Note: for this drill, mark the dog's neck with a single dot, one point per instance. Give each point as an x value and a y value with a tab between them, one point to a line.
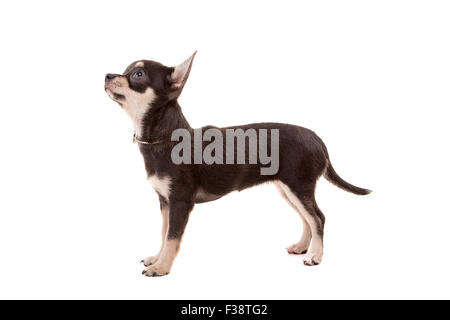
160	121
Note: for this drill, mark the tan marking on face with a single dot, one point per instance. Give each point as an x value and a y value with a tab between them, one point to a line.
139	64
136	104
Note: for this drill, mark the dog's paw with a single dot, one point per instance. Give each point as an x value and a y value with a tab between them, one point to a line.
156	270
311	259
297	248
150	260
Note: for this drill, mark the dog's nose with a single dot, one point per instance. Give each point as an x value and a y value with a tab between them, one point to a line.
110	76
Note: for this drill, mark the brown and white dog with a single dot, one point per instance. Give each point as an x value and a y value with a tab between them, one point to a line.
148	92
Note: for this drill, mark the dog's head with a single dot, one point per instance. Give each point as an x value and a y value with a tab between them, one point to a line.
145	83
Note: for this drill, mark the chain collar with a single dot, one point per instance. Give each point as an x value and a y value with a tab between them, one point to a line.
136	140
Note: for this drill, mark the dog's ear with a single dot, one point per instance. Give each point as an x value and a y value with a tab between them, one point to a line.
179	76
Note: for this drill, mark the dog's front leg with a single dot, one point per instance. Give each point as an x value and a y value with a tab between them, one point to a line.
178	216
165	223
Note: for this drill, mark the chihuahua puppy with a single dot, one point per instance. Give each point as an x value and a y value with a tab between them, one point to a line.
148	92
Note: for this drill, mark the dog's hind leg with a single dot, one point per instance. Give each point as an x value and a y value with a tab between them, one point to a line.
165	223
302	196
302	246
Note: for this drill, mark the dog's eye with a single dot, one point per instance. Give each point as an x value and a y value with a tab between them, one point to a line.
138	75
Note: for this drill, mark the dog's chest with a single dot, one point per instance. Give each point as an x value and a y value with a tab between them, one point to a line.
161	185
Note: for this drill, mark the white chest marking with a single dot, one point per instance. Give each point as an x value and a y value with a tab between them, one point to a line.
137	105
161	185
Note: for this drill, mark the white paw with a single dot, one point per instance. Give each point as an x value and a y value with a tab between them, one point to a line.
156	270
297	248
150	260
311	259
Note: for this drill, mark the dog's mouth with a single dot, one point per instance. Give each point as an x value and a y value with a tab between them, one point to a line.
117	97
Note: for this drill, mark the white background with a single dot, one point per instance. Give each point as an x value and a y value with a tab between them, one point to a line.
370	77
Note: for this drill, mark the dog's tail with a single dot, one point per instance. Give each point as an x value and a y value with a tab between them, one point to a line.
334	178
